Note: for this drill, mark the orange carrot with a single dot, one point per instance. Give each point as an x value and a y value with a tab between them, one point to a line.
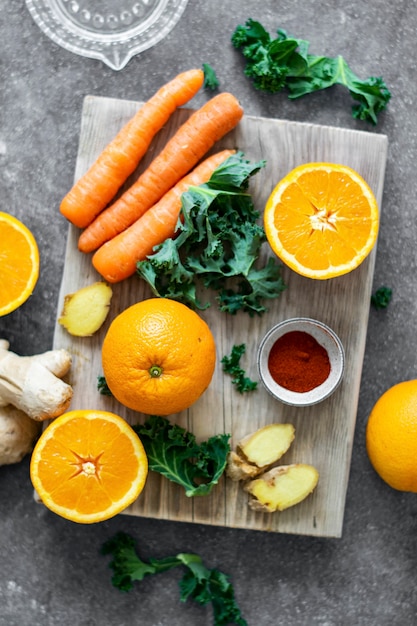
181	153
116	259
93	191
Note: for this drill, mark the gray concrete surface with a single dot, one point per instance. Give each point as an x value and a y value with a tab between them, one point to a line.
51	572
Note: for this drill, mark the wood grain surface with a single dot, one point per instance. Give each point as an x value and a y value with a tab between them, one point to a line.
324	432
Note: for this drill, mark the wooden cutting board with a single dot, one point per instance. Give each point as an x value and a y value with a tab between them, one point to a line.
324	432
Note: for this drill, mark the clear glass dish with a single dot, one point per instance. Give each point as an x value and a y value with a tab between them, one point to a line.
112	31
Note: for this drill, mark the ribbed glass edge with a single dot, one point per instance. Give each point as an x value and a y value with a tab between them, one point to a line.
114	51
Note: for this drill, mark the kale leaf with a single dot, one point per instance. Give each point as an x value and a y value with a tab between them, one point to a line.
231	365
284	62
217	244
210	77
102	386
198	583
381	298
173	452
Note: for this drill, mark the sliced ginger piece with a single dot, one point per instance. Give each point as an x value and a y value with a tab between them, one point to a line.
282	487
259	450
268	444
239	469
85	310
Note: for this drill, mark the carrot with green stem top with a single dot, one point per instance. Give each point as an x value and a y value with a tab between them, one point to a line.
116	259
119	159
181	153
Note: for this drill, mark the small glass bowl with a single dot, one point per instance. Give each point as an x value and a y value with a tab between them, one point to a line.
112	31
326	338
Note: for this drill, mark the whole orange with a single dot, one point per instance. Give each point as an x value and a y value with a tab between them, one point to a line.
391	436
158	357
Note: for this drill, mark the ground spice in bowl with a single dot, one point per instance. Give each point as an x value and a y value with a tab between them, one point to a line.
298	362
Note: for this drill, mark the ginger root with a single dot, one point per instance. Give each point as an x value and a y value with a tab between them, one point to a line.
33	384
18	433
281	487
270	488
258	451
85	310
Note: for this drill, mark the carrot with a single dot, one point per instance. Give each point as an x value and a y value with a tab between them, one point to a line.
116	259
93	191
181	153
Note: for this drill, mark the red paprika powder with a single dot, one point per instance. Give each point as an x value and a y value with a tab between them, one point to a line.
298	362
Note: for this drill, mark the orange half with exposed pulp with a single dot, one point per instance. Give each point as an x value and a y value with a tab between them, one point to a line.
19	263
88	465
322	220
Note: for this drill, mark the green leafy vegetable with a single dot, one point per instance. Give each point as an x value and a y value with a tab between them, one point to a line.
210	78
103	387
173	452
198	583
284	62
231	365
381	298
218	243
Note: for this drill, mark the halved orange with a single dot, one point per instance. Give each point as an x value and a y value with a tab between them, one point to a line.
322	220
88	465
19	263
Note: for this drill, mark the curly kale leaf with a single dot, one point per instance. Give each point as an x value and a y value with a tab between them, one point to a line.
126	565
269	61
173	452
210	77
213	586
198	583
231	365
102	386
381	298
217	245
284	62
250	293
